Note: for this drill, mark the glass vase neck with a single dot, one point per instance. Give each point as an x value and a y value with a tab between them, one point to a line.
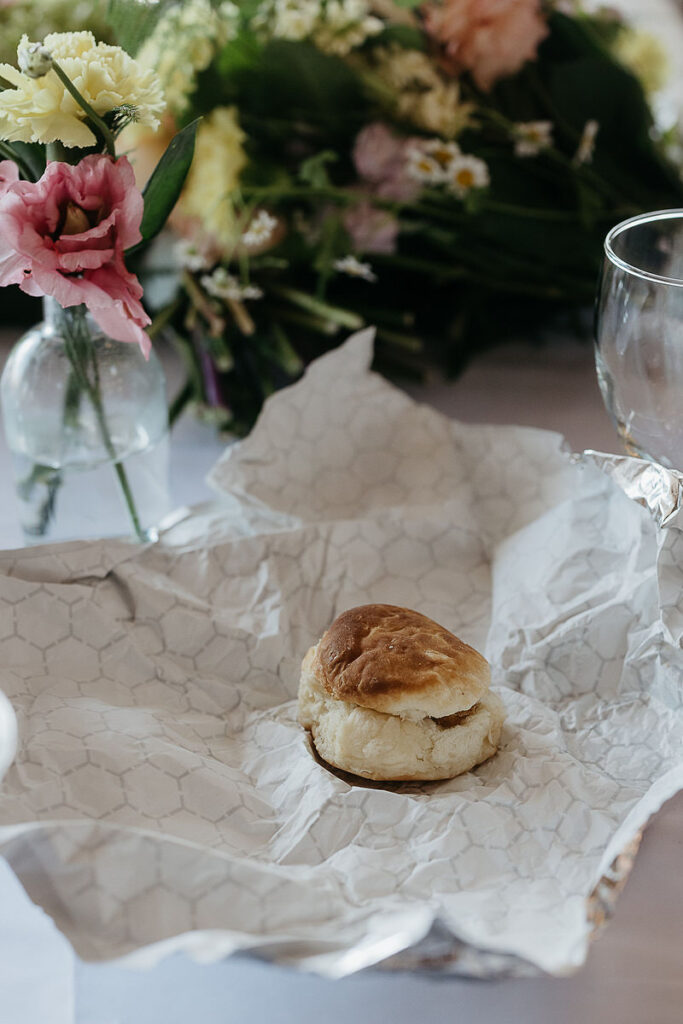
58	318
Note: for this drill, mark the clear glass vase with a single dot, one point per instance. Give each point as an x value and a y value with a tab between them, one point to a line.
86	422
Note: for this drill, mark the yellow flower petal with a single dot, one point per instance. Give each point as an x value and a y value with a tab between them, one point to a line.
42	110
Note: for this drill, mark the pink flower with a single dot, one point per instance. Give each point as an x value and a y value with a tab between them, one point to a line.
371	230
381	159
65	236
489	38
9	173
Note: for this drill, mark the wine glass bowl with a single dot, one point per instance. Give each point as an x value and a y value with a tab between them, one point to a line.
639	334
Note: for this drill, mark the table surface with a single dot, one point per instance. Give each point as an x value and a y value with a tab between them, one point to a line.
634	970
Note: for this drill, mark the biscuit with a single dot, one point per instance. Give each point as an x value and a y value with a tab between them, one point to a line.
388	694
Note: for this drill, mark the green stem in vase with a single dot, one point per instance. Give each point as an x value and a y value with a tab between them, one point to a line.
80	351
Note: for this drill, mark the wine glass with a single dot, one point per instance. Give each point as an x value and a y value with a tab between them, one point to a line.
639	334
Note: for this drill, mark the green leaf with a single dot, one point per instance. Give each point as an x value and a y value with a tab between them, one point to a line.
163	188
407	36
314	171
32	154
133	21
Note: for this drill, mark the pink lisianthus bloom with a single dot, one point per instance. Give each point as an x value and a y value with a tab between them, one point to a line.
489	38
9	174
66	235
381	160
371	230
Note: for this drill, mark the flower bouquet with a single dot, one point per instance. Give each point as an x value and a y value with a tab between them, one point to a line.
71	216
443	170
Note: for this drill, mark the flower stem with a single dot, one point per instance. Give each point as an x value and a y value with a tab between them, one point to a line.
75	349
101	125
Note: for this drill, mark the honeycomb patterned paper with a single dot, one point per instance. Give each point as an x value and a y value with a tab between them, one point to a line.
163	796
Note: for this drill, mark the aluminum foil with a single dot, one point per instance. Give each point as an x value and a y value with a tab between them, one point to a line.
164	796
656	488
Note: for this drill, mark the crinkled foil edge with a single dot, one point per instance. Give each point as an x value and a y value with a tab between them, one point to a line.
440	953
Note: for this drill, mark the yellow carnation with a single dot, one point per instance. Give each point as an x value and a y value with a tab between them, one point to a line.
41	109
184	41
422	96
218	160
644	55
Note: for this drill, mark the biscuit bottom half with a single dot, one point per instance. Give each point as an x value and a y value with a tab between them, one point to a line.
388	748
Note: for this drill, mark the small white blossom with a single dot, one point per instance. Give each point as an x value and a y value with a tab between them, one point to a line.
335	27
288	19
424	168
443	152
189	255
223	285
346	25
251	291
467	173
34	59
532	136
354	268
586	147
260	229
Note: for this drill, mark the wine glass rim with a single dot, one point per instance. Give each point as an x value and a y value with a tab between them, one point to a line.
625	225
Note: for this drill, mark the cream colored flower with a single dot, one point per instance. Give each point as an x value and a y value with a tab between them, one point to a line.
218	160
41	109
467	173
34	59
422	95
334	26
346	25
532	136
287	19
644	55
184	41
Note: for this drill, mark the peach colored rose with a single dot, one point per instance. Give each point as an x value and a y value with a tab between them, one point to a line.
489	38
65	236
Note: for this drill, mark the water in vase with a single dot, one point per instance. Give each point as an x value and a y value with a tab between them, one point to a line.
83	498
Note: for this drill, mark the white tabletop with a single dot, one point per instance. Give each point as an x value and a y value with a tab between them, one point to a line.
633	974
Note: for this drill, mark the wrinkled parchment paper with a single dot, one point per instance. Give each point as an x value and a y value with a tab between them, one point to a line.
164	797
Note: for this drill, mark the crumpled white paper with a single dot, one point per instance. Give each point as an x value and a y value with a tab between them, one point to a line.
165	798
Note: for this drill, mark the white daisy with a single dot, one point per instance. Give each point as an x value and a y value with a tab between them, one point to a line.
467	173
423	167
444	153
354	268
532	136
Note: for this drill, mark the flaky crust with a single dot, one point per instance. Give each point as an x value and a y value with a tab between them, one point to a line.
387	748
399	662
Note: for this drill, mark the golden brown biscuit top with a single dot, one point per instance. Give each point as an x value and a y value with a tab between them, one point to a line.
398	661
